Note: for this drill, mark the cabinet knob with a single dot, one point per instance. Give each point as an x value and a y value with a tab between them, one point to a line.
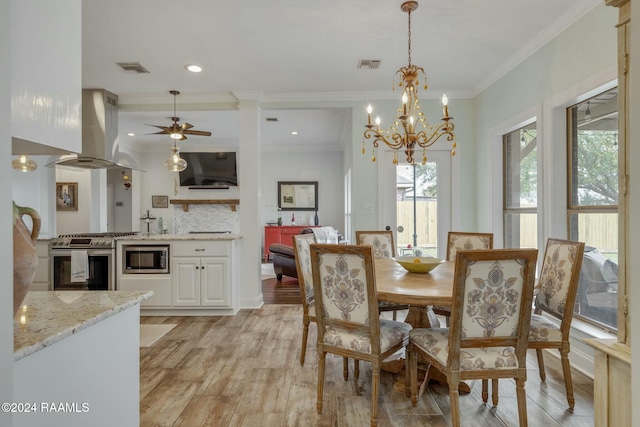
197	267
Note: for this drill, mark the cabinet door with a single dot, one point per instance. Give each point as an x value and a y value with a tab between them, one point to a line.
214	275
186	281
271	236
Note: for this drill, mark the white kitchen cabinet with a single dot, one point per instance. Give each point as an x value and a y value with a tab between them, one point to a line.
201	281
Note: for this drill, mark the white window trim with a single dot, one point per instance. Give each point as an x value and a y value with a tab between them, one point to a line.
551	130
496	134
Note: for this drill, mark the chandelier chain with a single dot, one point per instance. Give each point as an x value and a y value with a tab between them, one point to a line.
409	38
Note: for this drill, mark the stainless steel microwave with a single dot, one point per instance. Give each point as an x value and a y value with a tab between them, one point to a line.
145	259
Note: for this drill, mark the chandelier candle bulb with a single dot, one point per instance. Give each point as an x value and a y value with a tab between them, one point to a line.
445	106
369	111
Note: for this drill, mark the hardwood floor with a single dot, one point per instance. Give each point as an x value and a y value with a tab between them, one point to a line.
243	370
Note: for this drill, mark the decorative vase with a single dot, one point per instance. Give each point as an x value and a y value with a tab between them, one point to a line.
279	221
25	257
315	219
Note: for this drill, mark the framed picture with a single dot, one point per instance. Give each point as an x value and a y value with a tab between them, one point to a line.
159	201
66	196
298	195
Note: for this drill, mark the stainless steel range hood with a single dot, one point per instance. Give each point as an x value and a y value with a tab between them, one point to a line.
100	149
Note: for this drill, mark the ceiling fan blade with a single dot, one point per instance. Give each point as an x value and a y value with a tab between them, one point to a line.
163	132
165	128
197	132
187	126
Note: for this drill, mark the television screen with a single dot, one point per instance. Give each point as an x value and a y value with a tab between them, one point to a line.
209	169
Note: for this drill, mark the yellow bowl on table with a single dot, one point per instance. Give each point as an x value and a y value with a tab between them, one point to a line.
417	264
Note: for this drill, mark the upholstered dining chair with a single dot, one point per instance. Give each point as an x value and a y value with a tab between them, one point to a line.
558	287
347	313
490	314
383	247
463	241
302	256
558	283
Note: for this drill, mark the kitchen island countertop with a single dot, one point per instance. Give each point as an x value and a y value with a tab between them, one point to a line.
48	317
195	236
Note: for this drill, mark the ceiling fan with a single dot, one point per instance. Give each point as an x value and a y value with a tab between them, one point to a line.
175	130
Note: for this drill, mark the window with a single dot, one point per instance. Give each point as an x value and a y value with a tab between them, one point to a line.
520	188
593	204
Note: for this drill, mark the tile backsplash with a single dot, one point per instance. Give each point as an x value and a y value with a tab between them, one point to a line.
202	218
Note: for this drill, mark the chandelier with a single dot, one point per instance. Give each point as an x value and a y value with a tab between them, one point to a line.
416	132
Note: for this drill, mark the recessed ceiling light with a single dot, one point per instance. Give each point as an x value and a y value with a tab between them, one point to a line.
294	133
193	68
131	134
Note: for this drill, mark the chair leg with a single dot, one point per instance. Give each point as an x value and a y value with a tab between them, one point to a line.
345	368
522	402
543	375
413	374
407	376
454	397
375	382
394	314
305	335
566	370
321	357
485	390
356	368
494	391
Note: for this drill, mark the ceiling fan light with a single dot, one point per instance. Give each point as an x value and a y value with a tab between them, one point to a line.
24	164
193	68
175	136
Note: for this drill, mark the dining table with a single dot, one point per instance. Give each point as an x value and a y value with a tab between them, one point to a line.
421	291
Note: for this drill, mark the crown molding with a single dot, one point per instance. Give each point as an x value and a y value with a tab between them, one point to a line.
558	26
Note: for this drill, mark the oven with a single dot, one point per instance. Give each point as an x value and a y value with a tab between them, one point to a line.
145	259
83	262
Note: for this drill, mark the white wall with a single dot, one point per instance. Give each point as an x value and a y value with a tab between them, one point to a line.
324	167
586	49
37	190
6	220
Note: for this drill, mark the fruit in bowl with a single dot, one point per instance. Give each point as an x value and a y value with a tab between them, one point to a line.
416	264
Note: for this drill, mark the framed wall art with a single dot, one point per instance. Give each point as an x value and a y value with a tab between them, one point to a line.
159	201
298	195
66	196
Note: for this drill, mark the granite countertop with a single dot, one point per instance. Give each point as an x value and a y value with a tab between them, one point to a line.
50	317
196	236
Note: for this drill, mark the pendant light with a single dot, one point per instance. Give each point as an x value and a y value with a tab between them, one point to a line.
175	163
24	164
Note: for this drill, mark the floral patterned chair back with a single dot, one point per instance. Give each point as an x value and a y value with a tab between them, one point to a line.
492	298
559	278
303	265
347	313
381	241
460	241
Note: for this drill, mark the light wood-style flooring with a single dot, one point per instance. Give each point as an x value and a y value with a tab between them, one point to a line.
244	371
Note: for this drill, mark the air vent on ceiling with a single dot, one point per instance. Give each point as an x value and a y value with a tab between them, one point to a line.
133	67
369	64
272	119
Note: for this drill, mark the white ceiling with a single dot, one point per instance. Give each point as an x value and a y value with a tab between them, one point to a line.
297	49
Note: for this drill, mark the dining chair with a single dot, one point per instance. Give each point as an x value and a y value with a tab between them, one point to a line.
458	241
490	313
383	247
558	283
347	313
302	257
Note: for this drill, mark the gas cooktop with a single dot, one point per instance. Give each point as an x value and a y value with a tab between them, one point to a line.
88	240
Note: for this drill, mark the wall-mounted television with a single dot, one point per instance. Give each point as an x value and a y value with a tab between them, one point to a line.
215	170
